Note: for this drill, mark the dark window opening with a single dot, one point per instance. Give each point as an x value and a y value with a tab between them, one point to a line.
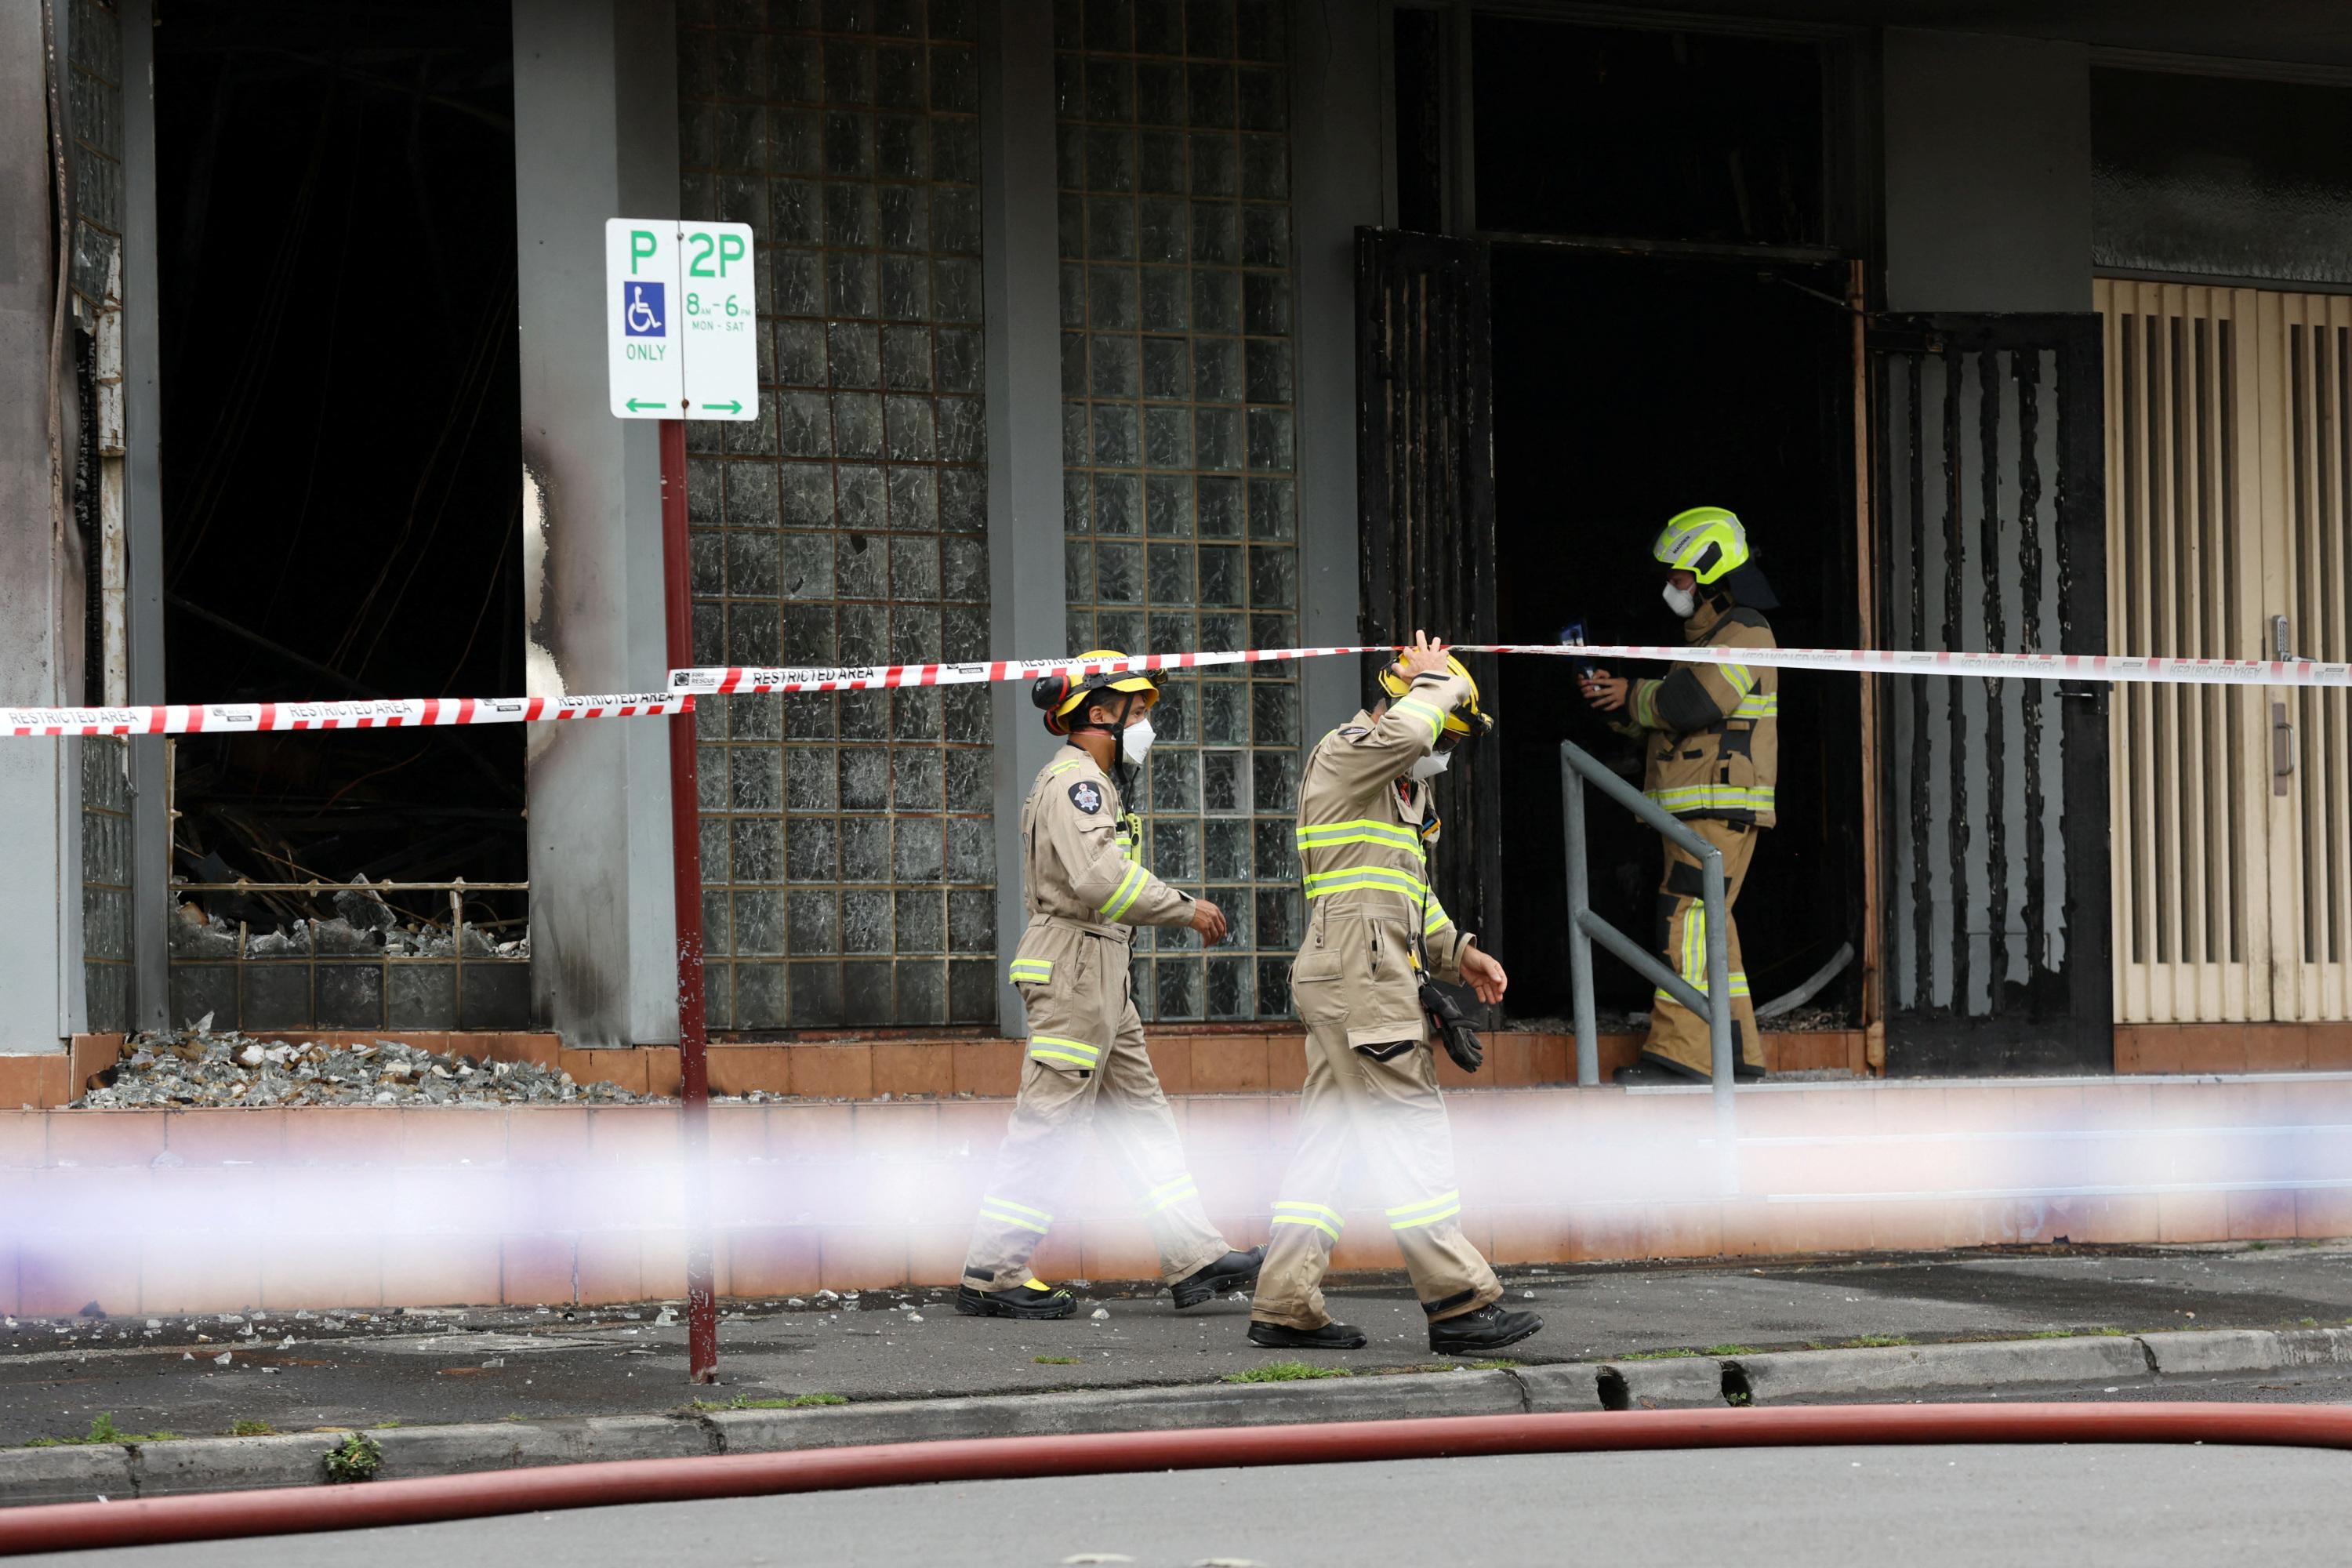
1637	134
2221	177
341	468
1625	390
1420	55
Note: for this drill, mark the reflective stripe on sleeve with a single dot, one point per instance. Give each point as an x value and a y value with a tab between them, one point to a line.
1054	1048
1123	897
1758	705
1420	710
1742	679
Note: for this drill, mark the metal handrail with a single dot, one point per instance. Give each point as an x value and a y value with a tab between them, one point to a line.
1577	766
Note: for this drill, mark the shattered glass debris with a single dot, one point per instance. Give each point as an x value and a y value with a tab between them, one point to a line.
363	928
199	1066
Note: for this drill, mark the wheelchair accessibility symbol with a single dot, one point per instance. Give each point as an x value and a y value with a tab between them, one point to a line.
641	310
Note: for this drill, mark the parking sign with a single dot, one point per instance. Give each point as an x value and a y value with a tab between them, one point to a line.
681	322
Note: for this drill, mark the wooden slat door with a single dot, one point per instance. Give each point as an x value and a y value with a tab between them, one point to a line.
2230	458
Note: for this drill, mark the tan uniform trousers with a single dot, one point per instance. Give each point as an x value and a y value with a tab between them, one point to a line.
1676	1032
1388	1115
1121	1099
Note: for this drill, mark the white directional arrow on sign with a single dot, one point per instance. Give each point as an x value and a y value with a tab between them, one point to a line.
681	321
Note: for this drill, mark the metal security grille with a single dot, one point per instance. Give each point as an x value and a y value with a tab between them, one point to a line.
847	846
1425	483
1989	481
1179	447
2227	525
106	944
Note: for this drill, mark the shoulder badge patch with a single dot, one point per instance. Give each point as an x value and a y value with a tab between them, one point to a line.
1353	733
1086	795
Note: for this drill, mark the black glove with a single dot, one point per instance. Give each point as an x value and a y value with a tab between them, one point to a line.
1460	1039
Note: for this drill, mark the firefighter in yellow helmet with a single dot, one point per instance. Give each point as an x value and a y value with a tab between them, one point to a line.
1710	736
1086	887
1375	933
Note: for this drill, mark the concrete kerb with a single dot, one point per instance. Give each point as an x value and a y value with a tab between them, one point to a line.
1797	1375
79	1472
1385	1398
2209	1350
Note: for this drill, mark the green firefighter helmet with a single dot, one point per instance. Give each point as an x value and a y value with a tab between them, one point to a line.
1705	541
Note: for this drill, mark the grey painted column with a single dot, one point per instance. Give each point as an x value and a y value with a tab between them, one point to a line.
1028	603
142	502
40	786
595	138
1337	183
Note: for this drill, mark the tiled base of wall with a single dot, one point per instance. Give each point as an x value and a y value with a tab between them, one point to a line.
2233	1048
1190	1061
197	1211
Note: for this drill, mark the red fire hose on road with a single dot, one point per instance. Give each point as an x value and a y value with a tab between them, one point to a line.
81	1526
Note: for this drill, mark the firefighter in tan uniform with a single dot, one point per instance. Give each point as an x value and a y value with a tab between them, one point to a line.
1374	933
1085	886
1710	735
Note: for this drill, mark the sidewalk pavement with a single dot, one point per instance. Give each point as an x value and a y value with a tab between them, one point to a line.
466	1389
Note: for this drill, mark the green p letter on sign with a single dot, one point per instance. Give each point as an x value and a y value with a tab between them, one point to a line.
681	320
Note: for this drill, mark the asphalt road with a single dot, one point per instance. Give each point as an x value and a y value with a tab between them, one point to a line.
358	1369
2071	1507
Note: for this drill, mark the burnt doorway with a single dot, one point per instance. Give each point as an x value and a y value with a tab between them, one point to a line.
1628	387
1992	501
339	466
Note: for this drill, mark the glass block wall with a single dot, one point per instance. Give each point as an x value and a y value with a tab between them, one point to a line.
1179	505
847	841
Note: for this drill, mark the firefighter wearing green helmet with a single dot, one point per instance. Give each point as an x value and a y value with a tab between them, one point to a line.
1085	885
1710	737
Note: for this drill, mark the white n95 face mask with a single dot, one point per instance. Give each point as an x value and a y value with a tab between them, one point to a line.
1429	766
1681	601
1135	740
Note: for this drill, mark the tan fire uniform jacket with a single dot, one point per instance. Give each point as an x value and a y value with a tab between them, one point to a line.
1365	867
1370	1094
1083	884
1082	876
1711	732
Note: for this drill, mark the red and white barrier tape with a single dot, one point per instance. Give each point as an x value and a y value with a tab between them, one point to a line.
737	679
258	718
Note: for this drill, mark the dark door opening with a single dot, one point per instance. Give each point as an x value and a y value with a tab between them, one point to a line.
1627	388
340	467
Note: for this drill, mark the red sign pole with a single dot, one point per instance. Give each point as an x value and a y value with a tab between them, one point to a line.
685	858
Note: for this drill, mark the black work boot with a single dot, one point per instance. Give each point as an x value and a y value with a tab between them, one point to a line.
1490	1328
1650	1068
1234	1271
1329	1337
1034	1300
